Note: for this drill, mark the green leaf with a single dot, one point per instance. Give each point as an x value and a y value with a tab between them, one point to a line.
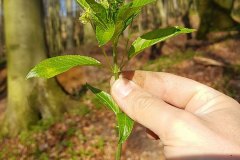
53	66
98	11
125	126
105	27
153	37
95	6
125	14
104	34
105	99
83	4
141	3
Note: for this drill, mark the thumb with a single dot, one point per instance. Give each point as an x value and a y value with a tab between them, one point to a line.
143	107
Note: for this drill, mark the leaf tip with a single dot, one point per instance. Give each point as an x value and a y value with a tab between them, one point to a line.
87	85
185	30
31	74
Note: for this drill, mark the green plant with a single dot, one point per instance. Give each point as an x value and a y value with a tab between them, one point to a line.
109	18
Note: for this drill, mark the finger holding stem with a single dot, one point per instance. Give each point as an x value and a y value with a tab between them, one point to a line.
116	72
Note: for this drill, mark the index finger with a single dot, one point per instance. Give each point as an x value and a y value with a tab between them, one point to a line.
178	91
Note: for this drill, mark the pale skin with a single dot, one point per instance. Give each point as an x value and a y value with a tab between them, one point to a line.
191	119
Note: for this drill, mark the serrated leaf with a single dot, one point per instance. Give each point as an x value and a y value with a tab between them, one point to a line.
83	4
99	13
53	66
125	126
105	98
105	27
104	34
140	3
125	14
154	37
96	7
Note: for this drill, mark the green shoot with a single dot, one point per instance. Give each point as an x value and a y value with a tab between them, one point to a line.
109	19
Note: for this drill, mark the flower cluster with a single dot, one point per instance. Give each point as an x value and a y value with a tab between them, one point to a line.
86	16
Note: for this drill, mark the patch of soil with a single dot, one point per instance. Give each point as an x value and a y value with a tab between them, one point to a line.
201	73
92	137
226	51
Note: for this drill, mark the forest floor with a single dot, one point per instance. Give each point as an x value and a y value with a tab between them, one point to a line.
89	133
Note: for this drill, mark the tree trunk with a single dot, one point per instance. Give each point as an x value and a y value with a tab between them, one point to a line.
159	20
236	11
53	28
186	19
166	11
1	32
28	100
156	51
140	27
215	16
69	25
162	12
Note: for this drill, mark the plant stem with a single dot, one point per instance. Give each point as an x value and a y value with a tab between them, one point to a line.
127	43
115	54
116	72
119	151
116	68
116	75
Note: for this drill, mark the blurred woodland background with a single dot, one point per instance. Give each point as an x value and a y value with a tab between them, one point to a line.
59	118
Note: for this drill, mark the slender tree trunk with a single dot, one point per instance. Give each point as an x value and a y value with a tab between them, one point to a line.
166	11
162	12
159	20
186	19
236	11
2	58
69	25
53	28
186	22
28	100
79	28
140	27
1	31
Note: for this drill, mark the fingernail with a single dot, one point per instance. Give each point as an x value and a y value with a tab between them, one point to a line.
112	80
122	88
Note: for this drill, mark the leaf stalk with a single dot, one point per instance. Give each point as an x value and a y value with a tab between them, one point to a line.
119	151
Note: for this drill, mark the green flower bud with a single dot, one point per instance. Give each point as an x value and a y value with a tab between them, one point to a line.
104	3
86	16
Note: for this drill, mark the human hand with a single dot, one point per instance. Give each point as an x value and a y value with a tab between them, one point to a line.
191	119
